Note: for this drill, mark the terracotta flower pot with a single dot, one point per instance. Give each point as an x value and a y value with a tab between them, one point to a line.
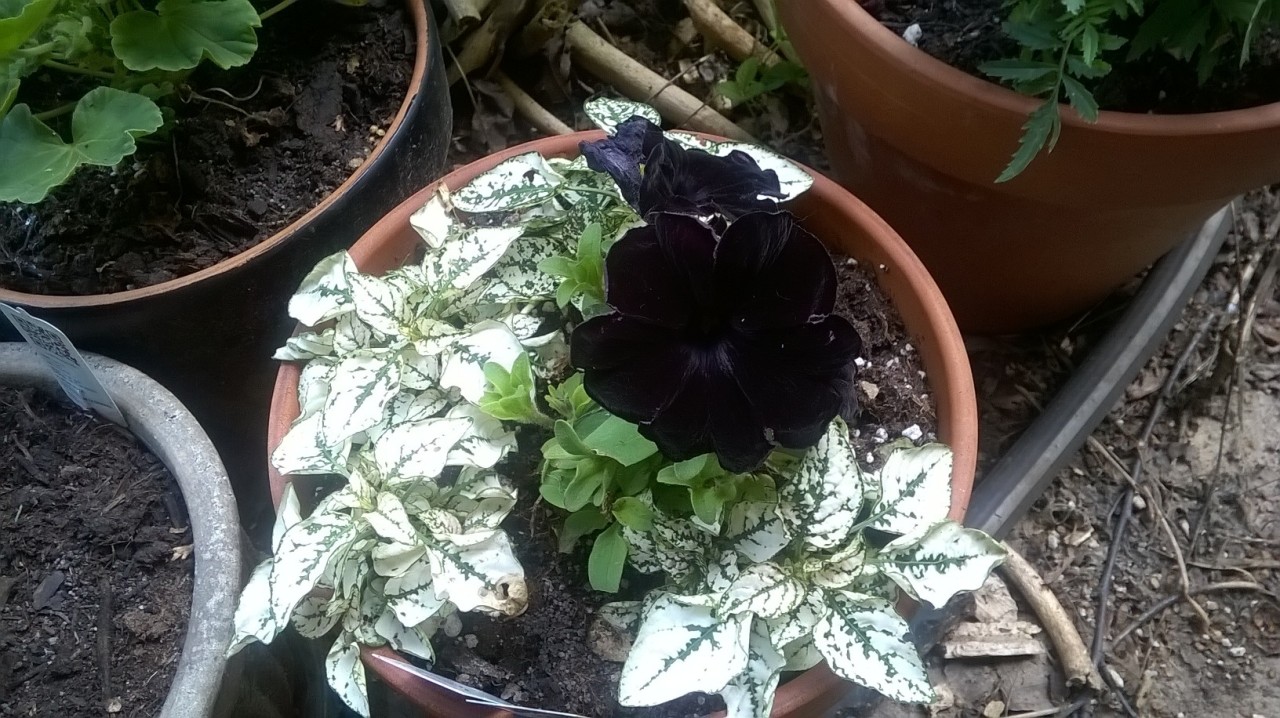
208	336
922	143
829	212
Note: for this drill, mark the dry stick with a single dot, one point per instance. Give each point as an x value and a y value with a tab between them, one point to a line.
535	113
1171	599
1076	664
1262	291
716	25
550	18
1158	509
486	43
639	82
466	13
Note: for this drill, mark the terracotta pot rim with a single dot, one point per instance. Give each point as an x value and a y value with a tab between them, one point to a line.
991	96
418	13
960	419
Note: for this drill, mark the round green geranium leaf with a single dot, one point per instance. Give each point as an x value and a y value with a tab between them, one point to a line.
103	128
180	33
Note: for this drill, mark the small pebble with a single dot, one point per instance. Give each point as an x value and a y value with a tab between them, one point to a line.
470	640
912	35
1237	652
913	432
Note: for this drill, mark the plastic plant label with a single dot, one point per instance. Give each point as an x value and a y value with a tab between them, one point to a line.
68	366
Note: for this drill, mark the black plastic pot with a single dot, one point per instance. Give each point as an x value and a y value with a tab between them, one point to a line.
208	337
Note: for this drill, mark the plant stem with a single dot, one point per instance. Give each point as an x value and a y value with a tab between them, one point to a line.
591	190
35	49
78	70
275	9
55	112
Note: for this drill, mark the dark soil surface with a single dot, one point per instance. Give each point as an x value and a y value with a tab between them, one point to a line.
95	580
966	34
251	150
542	659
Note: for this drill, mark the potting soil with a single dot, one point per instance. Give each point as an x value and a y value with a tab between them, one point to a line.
95	565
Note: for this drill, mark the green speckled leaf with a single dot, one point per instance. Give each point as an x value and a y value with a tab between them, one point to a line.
363	386
915	489
821	501
522	181
750	693
865	641
325	292
607	113
943	560
682	648
763	589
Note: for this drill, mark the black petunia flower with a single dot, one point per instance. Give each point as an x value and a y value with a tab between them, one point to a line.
657	174
724	346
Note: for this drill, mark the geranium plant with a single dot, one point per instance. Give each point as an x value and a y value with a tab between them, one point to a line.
655	312
1067	46
125	56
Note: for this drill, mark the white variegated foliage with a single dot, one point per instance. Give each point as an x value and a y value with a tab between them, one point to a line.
388	399
798	582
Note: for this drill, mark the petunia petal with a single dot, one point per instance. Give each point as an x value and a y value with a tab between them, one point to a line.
797	379
647	271
686	181
621	155
690	248
773	273
630	367
710	414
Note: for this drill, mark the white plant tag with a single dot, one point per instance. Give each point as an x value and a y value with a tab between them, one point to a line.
68	366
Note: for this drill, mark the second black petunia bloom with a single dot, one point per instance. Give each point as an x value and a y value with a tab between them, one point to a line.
657	174
720	345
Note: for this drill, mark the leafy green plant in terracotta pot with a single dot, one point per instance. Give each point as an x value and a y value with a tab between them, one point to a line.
650	327
134	157
924	142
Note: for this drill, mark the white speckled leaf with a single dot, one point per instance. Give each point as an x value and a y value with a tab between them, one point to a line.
379	303
305	552
800	622
801	655
466	257
865	641
463	369
434	221
607	113
722	573
750	693
362	388
289	513
418	372
484	576
411	596
311	620
416	406
622	615
841	568
792	180
345	672
351	334
943	560
417	449
254	619
755	530
522	181
762	589
821	501
404	638
303	450
485	441
395	559
390	521
680	649
480	499
305	346
915	489
515	277
325	292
